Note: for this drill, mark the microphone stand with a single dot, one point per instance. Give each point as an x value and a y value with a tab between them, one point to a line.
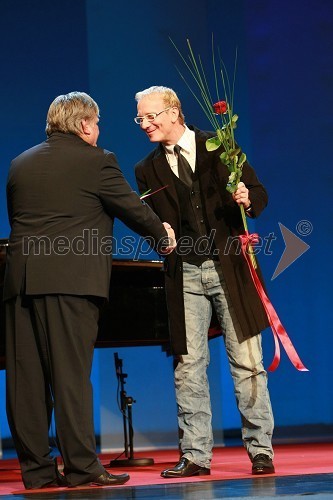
126	403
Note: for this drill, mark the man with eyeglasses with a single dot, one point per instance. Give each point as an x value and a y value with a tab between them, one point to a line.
206	274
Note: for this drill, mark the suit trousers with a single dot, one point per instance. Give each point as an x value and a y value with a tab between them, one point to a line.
49	352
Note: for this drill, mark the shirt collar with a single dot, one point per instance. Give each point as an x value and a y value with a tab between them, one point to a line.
187	139
185	142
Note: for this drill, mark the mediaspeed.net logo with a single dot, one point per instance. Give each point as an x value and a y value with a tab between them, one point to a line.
89	242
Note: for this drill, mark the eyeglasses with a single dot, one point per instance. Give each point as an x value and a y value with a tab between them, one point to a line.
150	117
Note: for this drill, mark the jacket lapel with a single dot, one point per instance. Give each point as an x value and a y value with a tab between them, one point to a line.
164	175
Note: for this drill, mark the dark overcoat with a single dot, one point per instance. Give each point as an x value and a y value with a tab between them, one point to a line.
224	218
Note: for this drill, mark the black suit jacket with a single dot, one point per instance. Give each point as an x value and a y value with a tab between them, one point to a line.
62	196
224	217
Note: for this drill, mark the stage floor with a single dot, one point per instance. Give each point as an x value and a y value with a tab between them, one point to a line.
301	469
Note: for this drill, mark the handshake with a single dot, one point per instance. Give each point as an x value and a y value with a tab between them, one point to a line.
171	242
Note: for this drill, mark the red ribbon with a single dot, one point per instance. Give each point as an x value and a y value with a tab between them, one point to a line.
279	332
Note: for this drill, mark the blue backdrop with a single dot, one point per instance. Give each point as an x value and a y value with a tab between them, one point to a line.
284	100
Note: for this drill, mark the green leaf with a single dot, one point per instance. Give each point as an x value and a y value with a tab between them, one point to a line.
220	134
224	157
213	143
234	152
234	118
242	159
226	133
231	188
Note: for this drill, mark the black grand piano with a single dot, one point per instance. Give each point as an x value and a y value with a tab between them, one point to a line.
136	314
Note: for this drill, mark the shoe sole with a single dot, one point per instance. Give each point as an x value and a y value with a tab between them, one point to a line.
198	473
257	472
116	483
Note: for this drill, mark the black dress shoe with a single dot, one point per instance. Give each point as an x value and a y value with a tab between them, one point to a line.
107	479
185	468
59	482
262	464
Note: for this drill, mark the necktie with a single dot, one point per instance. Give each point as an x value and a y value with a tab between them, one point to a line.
184	170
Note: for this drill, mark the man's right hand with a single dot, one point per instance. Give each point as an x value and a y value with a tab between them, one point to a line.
172	239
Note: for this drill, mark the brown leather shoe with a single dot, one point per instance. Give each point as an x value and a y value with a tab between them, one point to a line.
185	468
107	479
262	464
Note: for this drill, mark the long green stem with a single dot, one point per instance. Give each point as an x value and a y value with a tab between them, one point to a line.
250	249
244	218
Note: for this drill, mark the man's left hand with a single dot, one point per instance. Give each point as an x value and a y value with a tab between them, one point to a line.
241	195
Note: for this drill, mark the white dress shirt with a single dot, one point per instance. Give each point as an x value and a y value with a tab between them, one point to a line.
187	143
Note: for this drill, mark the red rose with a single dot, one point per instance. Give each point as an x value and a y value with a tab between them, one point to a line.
220	107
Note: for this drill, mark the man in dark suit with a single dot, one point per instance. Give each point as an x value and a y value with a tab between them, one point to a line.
207	271
63	196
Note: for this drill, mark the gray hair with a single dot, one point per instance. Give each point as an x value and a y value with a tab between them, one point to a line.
169	96
67	112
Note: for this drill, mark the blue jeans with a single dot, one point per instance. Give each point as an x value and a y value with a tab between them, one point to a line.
204	288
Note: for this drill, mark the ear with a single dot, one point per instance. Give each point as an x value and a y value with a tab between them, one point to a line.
174	114
86	128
